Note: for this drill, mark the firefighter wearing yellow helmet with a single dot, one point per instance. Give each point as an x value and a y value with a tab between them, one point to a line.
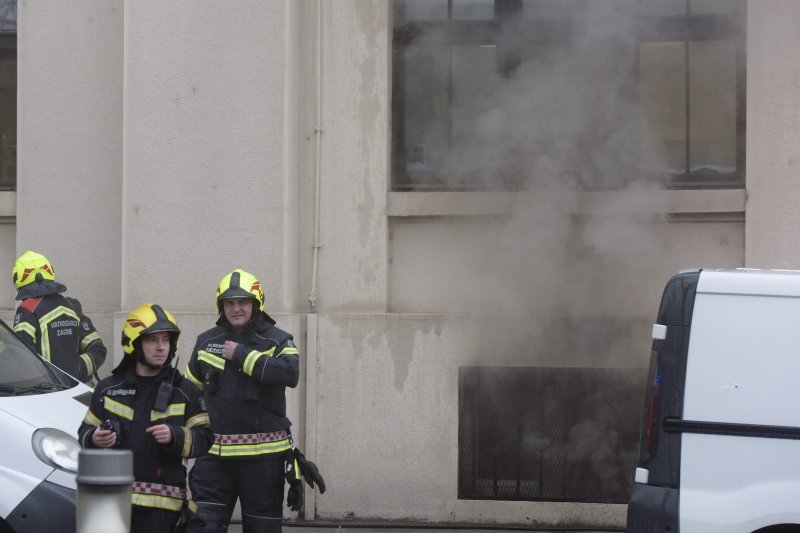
54	325
146	406
243	365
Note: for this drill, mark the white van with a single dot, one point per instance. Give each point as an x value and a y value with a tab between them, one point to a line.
720	441
41	408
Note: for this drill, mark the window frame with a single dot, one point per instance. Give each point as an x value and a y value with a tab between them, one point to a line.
685	28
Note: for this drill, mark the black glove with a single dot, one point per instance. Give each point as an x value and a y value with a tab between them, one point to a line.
309	471
294	498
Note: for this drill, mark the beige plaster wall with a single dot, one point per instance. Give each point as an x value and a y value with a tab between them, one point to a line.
773	141
593	266
205	174
69	152
355	158
387	422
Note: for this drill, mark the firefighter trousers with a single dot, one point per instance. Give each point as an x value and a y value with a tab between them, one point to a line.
148	520
257	483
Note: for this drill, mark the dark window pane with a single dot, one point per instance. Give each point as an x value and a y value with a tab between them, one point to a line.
544	9
662	8
447	93
414	10
8	15
8	123
700	7
473	9
8	112
663	100
426	106
712	94
550	9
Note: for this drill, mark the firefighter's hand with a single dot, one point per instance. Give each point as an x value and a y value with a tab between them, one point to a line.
228	349
103	438
161	433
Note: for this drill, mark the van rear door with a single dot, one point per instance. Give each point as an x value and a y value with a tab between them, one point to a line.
740	453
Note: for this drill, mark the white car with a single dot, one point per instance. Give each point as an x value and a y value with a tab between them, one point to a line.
720	441
41	408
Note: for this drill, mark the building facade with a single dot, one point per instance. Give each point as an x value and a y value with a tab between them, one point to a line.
465	211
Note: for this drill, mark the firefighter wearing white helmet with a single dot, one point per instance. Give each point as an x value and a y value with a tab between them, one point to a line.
54	325
146	406
243	365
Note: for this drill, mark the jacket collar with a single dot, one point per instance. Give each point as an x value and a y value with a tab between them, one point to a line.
38	289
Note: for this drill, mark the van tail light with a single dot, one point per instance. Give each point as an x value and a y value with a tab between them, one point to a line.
650	429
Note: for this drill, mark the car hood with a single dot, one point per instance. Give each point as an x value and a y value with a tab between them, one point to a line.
59	409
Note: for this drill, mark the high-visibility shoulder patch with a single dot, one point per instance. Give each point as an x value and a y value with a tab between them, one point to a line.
31	303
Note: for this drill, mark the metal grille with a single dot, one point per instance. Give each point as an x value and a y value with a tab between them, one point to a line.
548	434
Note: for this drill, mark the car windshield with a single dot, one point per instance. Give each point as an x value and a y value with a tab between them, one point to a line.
24	372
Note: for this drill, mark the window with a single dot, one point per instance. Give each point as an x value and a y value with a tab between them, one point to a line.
8	94
548	434
596	94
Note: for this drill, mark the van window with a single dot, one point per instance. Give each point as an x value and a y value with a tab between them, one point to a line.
24	372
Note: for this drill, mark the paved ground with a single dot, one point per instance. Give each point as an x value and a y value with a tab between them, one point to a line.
329	527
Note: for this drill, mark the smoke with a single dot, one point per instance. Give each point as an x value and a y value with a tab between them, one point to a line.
562	278
565	118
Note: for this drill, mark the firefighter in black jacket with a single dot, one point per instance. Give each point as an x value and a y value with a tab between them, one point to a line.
146	406
53	325
244	366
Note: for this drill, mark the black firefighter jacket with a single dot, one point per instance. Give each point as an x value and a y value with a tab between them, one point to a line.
129	401
55	327
245	396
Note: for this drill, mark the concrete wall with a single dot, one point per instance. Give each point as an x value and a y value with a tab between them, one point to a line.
204	173
773	151
355	157
69	152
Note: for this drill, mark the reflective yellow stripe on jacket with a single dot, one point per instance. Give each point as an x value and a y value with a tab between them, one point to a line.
249	450
173	409
45	321
213	360
89	363
197	420
188	374
252	357
27	328
289	350
248	445
89	339
118	409
188	438
156	501
91	419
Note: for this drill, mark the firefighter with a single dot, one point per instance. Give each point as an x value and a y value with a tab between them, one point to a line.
53	325
146	406
243	365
